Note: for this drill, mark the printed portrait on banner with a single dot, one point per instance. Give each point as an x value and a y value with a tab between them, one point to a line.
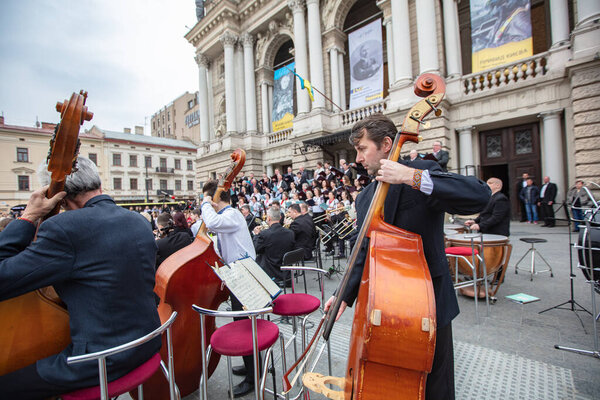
283	98
366	65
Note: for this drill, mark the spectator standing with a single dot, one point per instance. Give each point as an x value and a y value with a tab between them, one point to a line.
442	156
530	195
520	185
547	198
577	199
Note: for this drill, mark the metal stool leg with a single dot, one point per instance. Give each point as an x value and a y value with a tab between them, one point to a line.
549	267
230	378
532	262
521	259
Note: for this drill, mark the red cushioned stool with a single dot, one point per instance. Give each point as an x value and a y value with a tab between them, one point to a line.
134	378
469	255
239	338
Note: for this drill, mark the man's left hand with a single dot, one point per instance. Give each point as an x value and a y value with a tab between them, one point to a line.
38	205
395	173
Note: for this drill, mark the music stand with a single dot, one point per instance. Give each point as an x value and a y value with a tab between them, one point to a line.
588	218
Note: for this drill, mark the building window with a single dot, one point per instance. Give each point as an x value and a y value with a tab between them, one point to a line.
177	184
133	183
93	158
163	184
163	163
149	184
117	183
169	130
190	185
148	161
177	163
22	155
190	104
190	165
23	182
168	116
133	160
117	159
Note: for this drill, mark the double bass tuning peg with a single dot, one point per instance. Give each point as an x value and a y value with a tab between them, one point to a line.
436	110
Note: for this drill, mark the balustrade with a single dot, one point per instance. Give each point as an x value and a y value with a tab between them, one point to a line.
350	117
279	136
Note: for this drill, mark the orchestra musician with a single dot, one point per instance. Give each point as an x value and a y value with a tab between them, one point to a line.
417	199
171	238
233	243
303	227
271	244
100	259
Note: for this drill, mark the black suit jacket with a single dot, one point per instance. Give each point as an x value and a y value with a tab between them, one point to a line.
270	245
305	234
100	260
495	217
443	157
423	214
174	241
549	194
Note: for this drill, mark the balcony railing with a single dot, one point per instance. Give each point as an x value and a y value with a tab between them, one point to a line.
526	69
165	170
279	136
350	117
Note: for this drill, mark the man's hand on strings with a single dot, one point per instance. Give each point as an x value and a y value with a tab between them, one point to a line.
343	306
39	206
394	173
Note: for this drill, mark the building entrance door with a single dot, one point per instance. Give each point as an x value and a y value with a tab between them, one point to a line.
506	154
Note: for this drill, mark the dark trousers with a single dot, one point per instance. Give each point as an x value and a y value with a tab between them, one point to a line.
26	384
248	363
523	211
547	214
440	382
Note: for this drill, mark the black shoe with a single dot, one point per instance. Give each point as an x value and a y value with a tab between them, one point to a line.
242	389
239	371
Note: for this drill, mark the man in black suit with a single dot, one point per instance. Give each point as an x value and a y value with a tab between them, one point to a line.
547	198
519	186
171	240
271	244
442	156
100	259
305	233
495	217
416	201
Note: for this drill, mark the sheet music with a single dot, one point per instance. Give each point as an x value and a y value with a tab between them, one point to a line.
261	276
244	286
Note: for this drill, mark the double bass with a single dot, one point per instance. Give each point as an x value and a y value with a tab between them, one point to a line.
35	325
183	279
394	328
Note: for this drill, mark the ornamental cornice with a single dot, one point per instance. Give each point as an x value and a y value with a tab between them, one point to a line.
228	39
297	5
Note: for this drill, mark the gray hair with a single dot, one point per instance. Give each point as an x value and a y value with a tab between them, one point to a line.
84	177
274	214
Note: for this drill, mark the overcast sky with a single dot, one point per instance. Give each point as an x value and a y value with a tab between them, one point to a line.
130	56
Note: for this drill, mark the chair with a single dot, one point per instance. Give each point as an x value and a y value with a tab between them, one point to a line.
238	338
533	251
134	378
300	305
461	253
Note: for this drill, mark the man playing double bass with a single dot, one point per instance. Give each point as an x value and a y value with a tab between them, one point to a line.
100	259
418	197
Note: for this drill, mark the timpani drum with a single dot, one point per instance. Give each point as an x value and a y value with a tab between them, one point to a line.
496	253
453	229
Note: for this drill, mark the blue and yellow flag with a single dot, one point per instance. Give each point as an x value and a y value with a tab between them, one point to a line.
305	84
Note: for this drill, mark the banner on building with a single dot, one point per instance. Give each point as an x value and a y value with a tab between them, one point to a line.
366	65
500	32
283	98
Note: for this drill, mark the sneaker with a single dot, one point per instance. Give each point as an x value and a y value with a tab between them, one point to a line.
535	222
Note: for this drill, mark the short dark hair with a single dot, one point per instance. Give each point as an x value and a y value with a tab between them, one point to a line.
377	127
295	207
210	188
164	219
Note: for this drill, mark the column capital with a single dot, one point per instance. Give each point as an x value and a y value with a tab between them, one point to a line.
297	5
335	48
228	39
247	39
309	2
202	60
550	114
465	129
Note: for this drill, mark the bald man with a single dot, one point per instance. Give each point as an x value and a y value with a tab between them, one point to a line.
495	217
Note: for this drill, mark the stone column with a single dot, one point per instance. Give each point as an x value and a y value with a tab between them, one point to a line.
559	22
452	39
427	35
203	63
335	79
401	34
552	151
315	48
342	80
228	40
264	95
240	87
389	35
586	35
269	170
465	146
587	10
300	56
270	94
211	102
250	82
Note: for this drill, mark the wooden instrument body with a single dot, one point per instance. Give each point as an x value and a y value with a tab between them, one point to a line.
393	332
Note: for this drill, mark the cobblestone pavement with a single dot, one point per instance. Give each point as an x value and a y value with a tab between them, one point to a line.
509	354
